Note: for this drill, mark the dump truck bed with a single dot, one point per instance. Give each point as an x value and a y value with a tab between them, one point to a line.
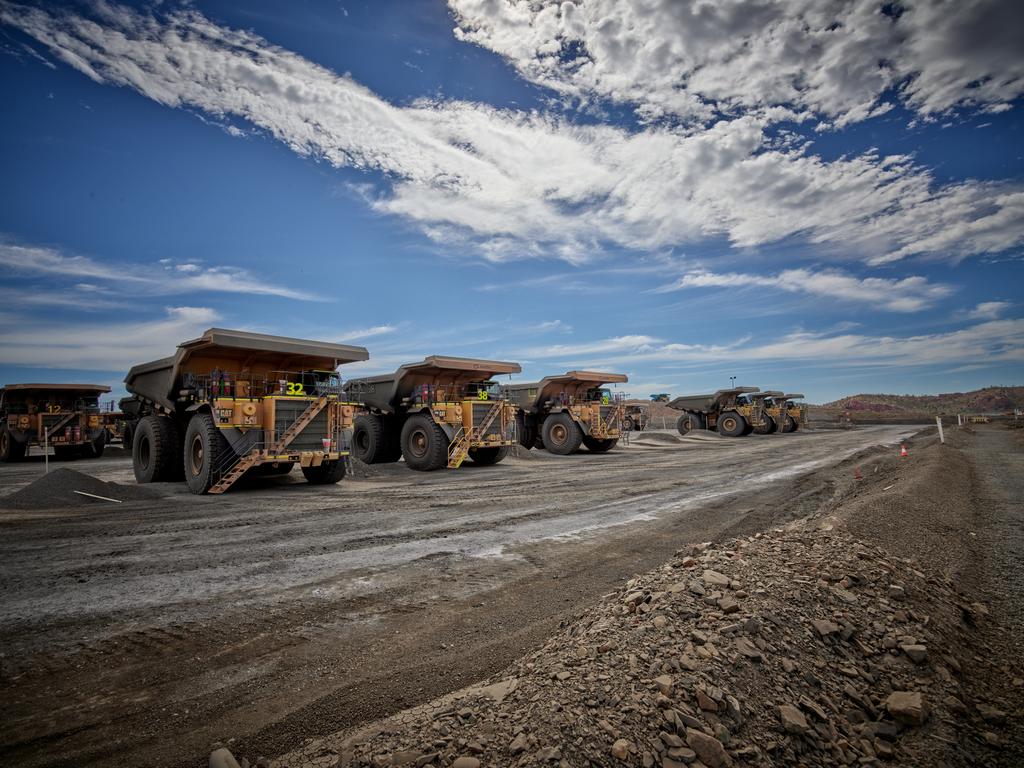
233	350
707	402
386	392
773	393
532	396
790	398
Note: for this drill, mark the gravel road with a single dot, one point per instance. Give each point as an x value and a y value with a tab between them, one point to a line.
143	632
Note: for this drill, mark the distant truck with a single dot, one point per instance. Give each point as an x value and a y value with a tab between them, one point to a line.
636	419
231	402
560	413
771	409
435	413
727	411
795	414
65	417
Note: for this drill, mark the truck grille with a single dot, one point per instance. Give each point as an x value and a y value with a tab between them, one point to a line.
480	411
286	412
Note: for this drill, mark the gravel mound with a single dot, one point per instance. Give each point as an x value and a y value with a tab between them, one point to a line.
57	489
807	645
655	438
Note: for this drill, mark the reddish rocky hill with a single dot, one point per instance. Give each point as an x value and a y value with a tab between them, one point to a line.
987	400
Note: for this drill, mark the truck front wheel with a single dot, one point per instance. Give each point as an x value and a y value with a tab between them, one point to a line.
424	443
561	434
156	450
10	449
599	446
767	427
788	424
484	457
731	424
328	473
94	449
368	438
206	453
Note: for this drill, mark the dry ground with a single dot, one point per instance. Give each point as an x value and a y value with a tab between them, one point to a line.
142	633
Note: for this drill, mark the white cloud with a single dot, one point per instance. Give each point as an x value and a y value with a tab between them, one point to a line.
693	59
995	341
173	279
102	346
366	333
989	310
506	184
909	294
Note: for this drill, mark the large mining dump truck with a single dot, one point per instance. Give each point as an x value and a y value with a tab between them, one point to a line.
795	413
560	413
65	417
231	402
727	411
771	411
435	414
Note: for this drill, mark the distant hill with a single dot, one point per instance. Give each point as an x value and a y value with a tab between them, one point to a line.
987	400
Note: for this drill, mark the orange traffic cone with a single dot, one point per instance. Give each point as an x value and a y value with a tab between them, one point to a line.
856	474
903	452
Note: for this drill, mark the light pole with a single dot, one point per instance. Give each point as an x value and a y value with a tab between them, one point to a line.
732	381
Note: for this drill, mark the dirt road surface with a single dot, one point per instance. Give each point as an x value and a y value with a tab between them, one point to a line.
142	633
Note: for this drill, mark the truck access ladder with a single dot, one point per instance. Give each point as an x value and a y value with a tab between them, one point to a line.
459	449
251	459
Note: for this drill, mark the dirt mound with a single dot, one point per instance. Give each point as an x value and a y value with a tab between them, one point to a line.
57	489
655	438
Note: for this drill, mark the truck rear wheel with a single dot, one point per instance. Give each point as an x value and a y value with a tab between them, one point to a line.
627	424
94	449
767	427
10	449
369	438
156	450
561	434
689	422
788	425
328	473
206	452
731	424
424	443
484	457
599	446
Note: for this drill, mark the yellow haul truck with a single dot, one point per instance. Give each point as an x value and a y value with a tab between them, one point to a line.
560	413
795	413
65	417
771	411
728	411
435	413
231	402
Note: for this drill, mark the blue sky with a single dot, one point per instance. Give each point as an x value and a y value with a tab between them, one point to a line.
827	200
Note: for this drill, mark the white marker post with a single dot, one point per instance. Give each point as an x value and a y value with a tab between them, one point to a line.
46	451
938	423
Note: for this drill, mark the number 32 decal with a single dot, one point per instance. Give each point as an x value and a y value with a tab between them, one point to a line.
295	388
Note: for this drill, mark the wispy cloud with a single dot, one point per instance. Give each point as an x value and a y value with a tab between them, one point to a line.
169	278
358	334
989	310
507	184
909	294
102	346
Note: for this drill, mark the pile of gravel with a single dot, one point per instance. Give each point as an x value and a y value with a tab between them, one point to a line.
57	489
655	438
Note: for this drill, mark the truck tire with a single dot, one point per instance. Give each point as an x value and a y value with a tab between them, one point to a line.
10	449
599	446
688	422
788	425
767	426
627	424
328	473
156	450
369	438
732	424
562	435
206	453
94	449
484	457
424	444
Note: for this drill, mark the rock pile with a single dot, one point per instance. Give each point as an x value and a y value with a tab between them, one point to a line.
796	647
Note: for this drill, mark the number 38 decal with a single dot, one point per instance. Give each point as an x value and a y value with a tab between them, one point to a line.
295	388
482	395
